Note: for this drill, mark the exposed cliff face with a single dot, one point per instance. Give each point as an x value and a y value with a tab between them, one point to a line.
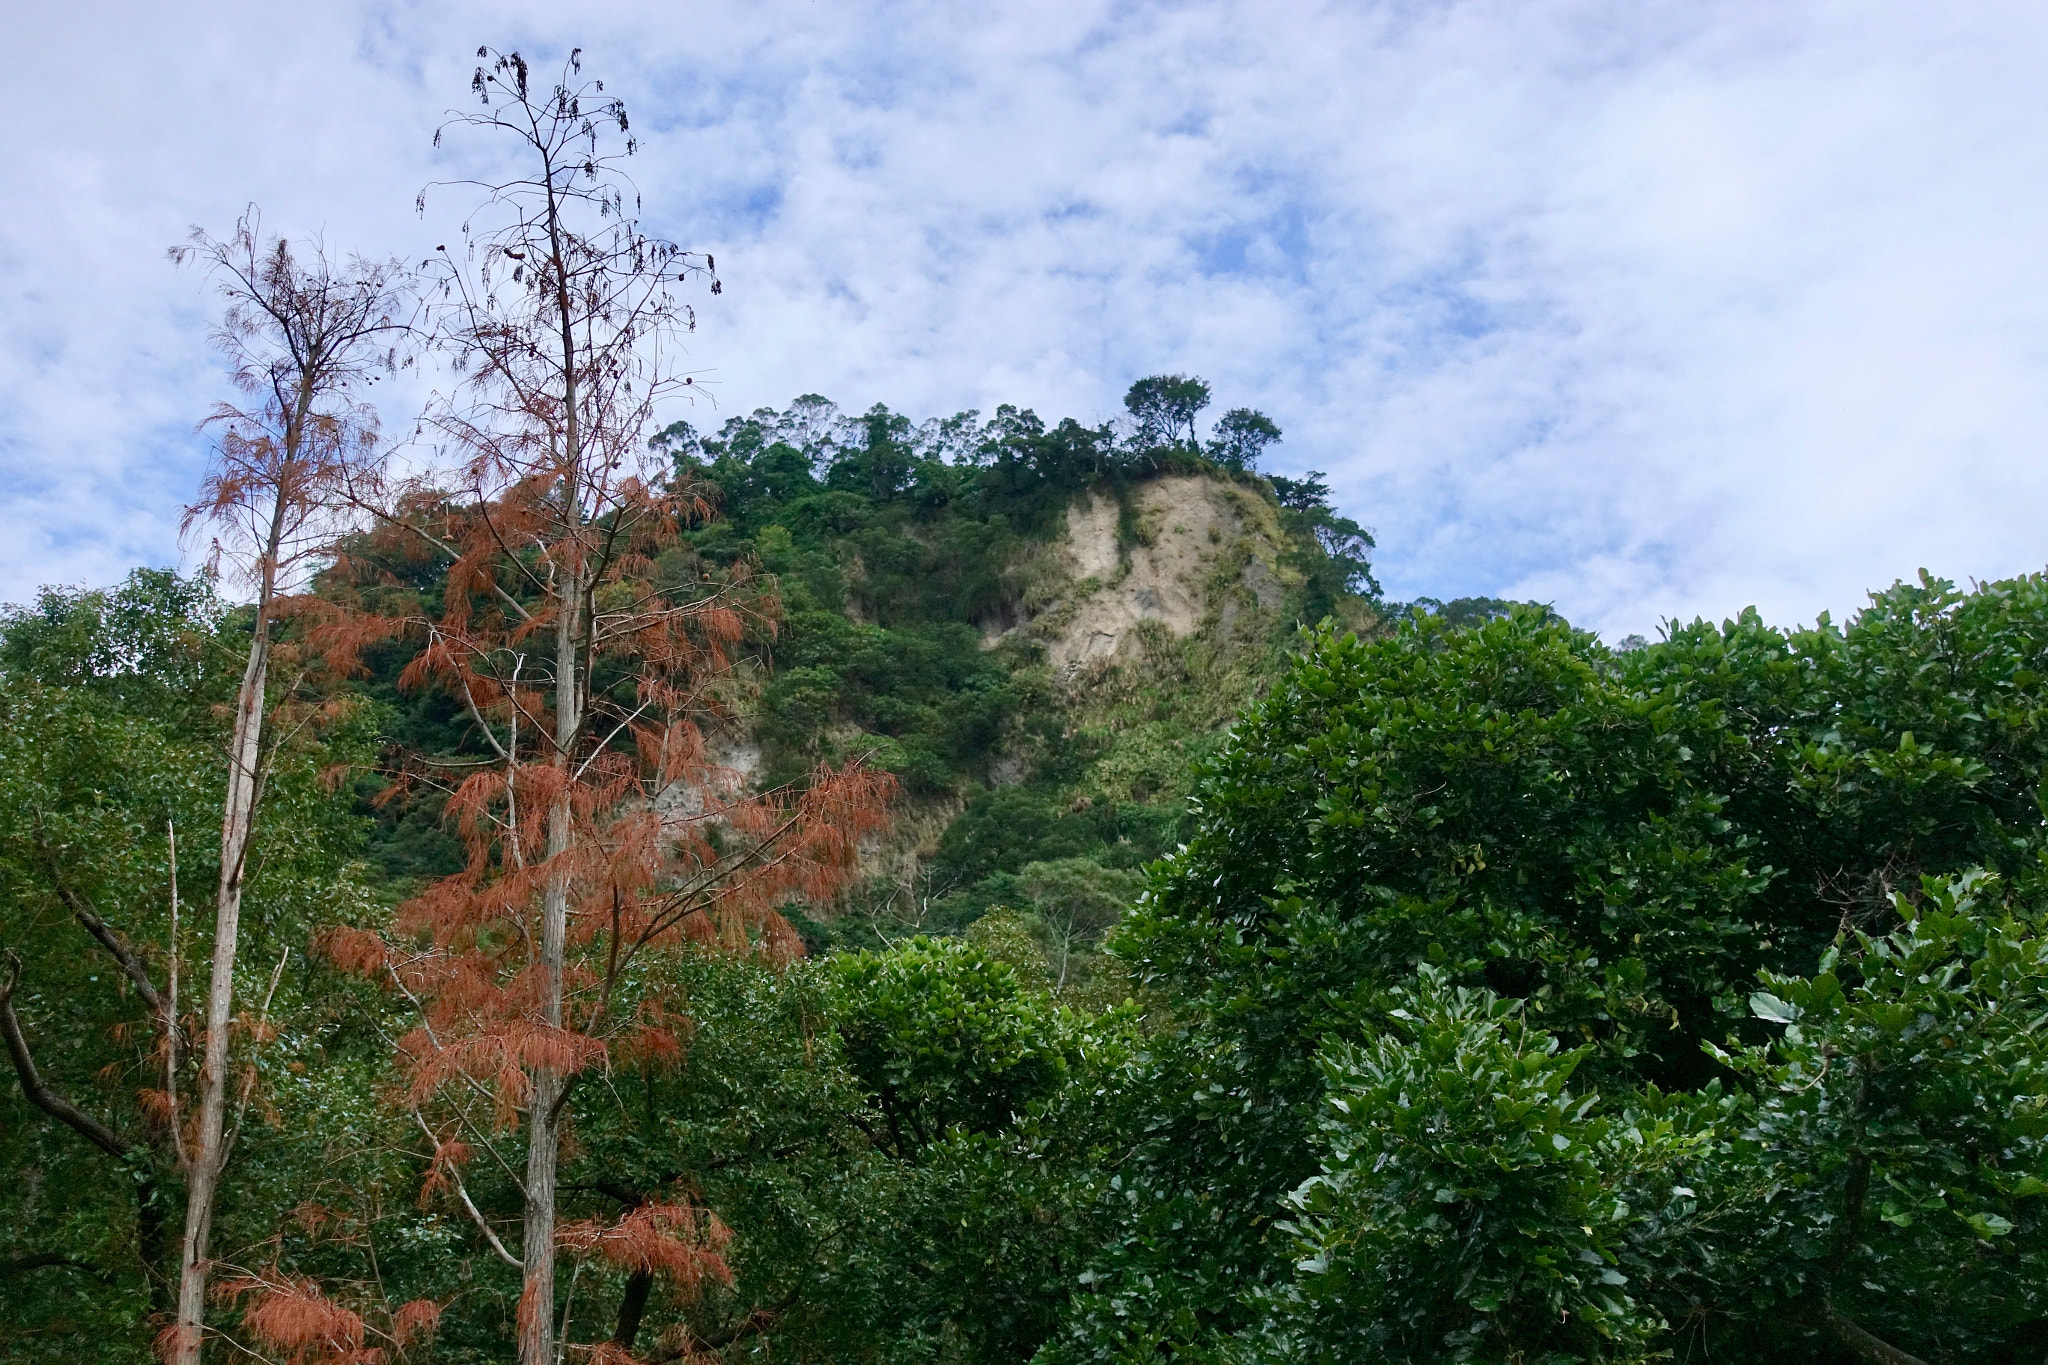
1156	615
1179	555
1116	651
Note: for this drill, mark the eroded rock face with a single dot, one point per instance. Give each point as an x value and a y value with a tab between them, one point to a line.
1203	552
734	759
1189	574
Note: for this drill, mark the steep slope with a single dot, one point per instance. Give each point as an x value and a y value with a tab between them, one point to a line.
1033	628
1202	554
1036	635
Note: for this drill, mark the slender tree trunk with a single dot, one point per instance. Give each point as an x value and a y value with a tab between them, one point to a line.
207	1156
543	1153
544	1137
537	1299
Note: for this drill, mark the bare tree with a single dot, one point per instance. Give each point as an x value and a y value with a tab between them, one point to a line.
1078	900
305	336
600	829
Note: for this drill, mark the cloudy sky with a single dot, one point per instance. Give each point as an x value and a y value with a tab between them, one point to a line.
1645	309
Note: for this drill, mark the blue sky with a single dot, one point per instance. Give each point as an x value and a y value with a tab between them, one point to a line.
1646	309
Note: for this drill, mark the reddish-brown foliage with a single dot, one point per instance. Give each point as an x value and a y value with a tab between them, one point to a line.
588	649
445	1168
414	1321
637	881
289	1314
351	949
679	1242
664	844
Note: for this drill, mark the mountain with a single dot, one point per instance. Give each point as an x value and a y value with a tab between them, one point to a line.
1033	627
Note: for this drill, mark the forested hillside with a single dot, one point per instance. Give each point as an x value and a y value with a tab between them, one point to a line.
1033	628
1510	998
836	889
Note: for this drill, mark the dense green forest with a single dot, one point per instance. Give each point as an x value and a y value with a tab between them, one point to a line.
842	889
1488	995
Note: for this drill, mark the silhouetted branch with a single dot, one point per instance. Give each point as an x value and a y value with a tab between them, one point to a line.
40	1095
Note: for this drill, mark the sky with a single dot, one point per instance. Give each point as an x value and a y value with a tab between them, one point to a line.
1647	310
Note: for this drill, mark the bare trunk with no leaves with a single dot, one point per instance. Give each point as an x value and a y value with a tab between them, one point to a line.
207	1155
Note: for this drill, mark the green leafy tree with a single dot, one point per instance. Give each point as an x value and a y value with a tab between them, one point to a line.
1885	1189
111	722
990	1101
1241	437
1468	1204
1617	842
1332	553
944	1038
1163	409
1078	900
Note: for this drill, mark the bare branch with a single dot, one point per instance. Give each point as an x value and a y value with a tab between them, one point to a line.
40	1095
462	1192
1863	1344
131	965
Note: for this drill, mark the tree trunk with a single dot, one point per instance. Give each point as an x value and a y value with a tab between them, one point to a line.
207	1155
632	1308
544	1134
537	1297
1865	1345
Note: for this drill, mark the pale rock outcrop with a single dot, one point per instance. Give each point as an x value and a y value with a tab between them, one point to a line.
1176	570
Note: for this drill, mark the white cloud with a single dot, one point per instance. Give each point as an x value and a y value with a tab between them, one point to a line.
1642	308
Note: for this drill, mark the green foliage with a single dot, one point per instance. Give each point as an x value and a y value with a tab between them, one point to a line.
1469	1205
1242	436
901	552
1332	553
1877	1171
152	645
1077	900
955	1241
1163	409
1014	938
757	1118
1617	842
930	704
1004	829
1472	611
1893	1165
109	735
946	1039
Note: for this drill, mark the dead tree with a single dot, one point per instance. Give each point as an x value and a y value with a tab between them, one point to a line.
305	336
585	667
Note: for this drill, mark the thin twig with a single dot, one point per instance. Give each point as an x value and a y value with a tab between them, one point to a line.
462	1191
171	1013
249	1077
